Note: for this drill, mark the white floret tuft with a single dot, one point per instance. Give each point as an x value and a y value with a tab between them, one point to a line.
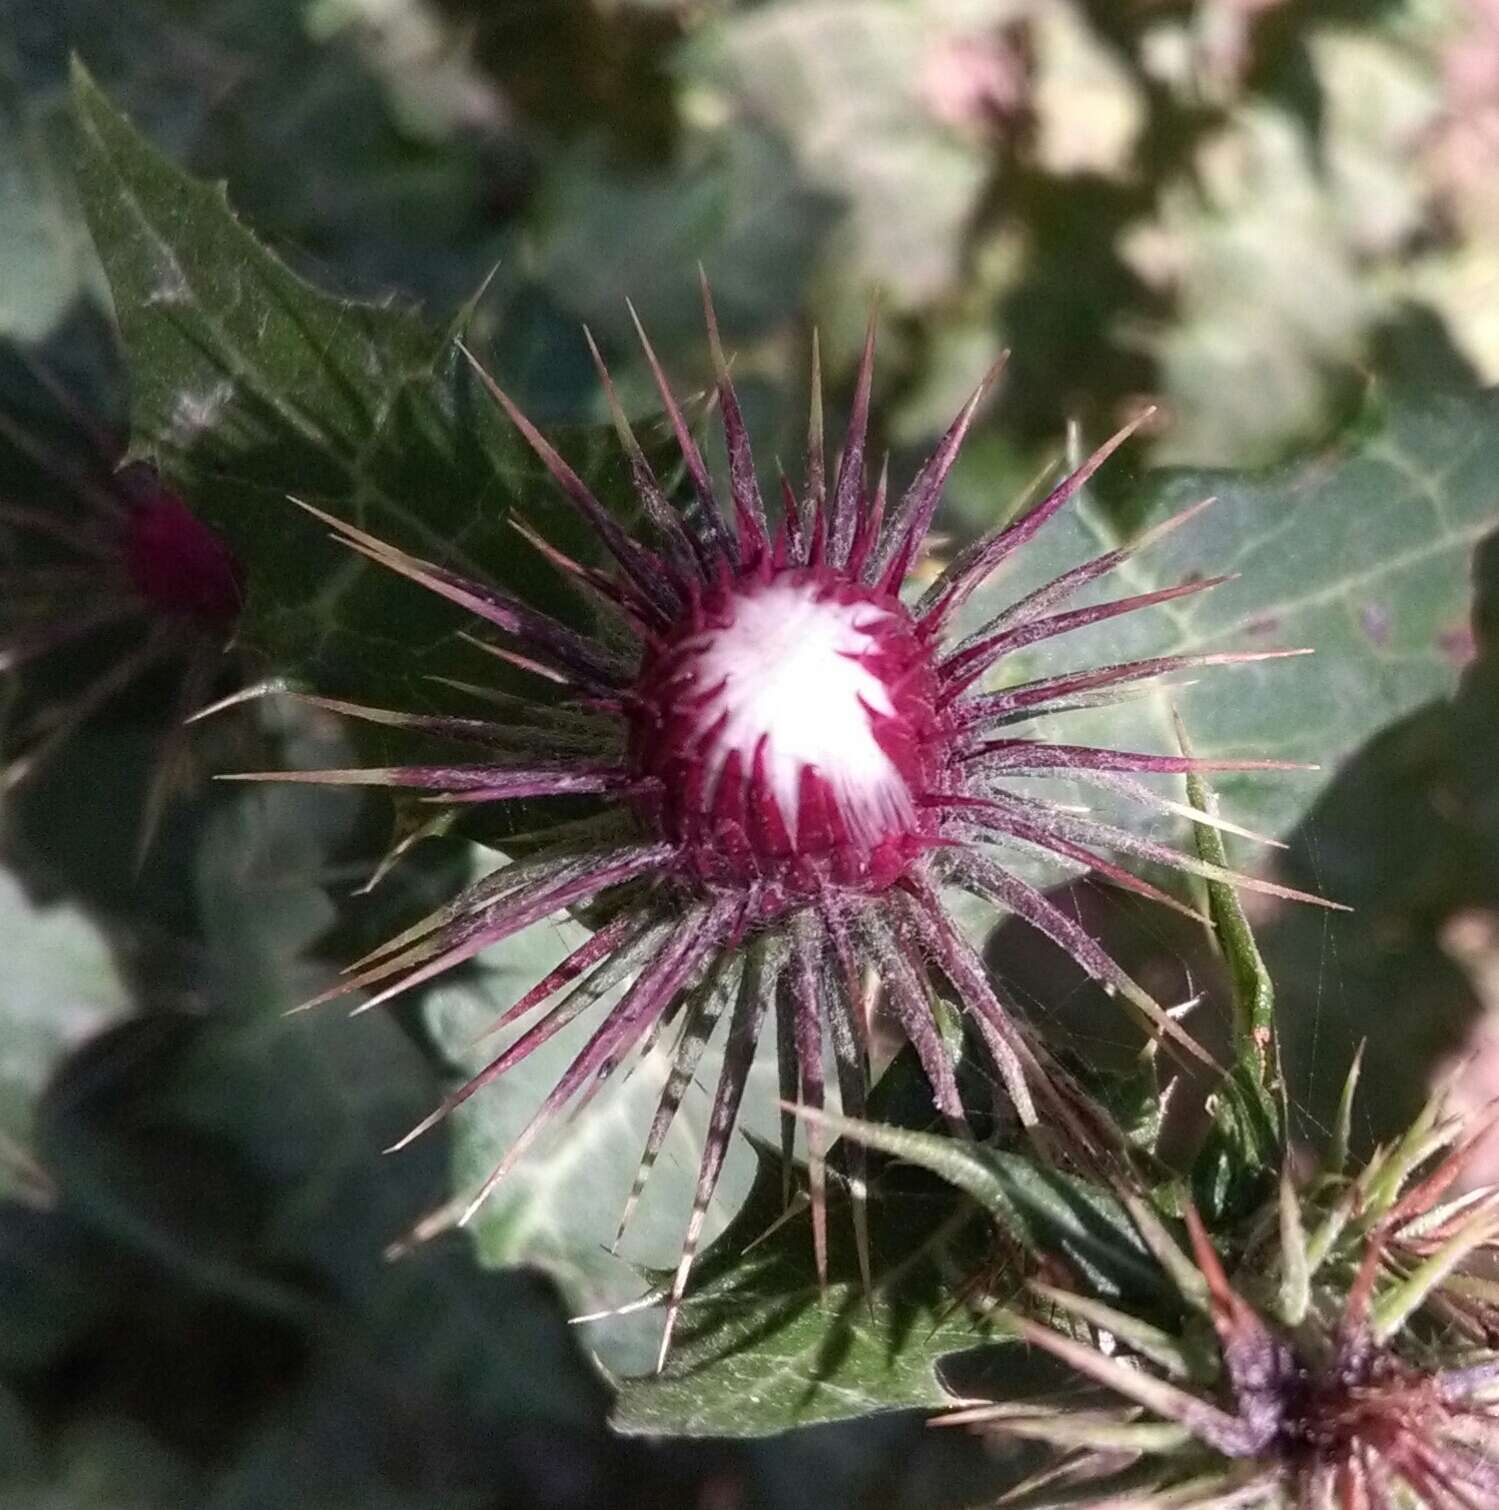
790	669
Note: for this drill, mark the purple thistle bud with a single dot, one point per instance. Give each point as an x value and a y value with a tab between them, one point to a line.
121	557
177	564
1330	1411
794	764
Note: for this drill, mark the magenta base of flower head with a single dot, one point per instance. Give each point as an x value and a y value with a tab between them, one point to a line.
175	561
786	732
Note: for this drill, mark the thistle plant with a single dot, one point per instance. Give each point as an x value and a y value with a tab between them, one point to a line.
791	763
106	555
1349	1359
760	744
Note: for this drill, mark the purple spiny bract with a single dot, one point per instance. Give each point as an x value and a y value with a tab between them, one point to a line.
792	762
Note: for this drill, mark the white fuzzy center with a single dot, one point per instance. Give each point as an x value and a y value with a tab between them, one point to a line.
790	670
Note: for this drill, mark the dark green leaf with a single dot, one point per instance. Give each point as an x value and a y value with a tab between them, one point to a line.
56	1282
182	1202
758	1349
20	1450
478	1375
1362	553
248	385
109	1464
308	1101
1040	1208
1405	836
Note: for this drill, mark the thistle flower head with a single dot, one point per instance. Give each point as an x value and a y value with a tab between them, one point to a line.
115	559
1352	1364
793	762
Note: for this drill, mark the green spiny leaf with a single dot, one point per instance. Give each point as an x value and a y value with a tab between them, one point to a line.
1362	552
1041	1208
247	385
760	1347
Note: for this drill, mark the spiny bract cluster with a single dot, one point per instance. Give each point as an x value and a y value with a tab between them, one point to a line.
111	553
792	762
1354	1362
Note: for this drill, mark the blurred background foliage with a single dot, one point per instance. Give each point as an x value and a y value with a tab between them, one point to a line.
1108	191
1264	216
